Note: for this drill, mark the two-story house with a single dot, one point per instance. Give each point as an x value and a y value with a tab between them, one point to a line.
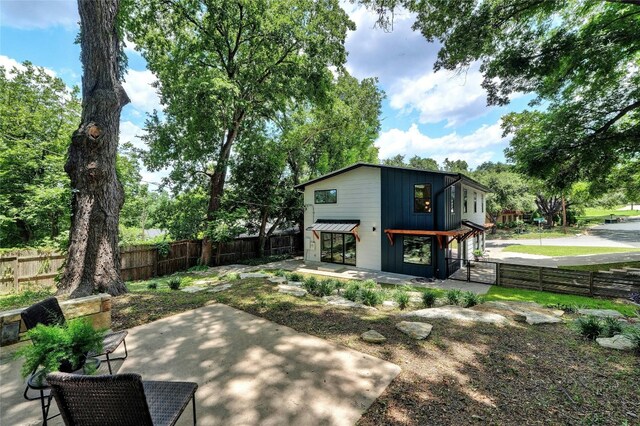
393	219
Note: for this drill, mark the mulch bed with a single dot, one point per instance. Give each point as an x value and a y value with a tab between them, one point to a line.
464	373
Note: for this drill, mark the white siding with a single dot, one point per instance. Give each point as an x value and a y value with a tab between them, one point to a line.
475	217
358	198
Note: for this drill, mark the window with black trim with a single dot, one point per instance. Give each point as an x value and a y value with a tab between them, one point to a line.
416	250
475	202
482	203
422	198
452	200
464	200
326	196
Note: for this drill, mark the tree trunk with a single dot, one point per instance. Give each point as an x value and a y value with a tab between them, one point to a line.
93	260
262	233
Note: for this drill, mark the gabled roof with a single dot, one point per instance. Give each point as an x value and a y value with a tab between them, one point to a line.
465	179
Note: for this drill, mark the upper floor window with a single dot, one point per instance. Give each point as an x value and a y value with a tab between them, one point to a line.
482	202
464	200
422	198
326	196
475	202
452	200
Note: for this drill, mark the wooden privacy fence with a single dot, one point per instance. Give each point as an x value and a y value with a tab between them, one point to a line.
24	269
585	283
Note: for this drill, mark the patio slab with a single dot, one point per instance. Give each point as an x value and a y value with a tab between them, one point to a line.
250	371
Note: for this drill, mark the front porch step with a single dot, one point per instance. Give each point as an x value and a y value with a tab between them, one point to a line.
331	268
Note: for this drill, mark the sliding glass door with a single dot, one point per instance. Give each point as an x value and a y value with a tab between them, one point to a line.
338	248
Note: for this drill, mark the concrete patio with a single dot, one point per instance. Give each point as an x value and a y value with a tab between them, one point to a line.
250	371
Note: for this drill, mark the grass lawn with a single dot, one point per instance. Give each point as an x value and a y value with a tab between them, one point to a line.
598	215
565	250
545	298
464	373
533	235
602	266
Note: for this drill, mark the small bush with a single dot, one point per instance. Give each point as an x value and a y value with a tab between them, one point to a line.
453	296
310	282
589	326
294	276
611	327
337	284
429	298
152	285
279	273
352	291
570	309
469	299
174	283
402	297
369	284
198	268
633	334
371	297
232	276
318	288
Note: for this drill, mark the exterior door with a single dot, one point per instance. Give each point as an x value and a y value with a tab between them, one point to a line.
338	248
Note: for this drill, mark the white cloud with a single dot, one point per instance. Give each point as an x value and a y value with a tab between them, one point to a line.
130	132
9	64
442	96
29	14
476	148
144	97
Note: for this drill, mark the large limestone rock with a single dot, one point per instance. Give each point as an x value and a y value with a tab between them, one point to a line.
220	287
278	280
373	336
296	283
531	313
415	330
457	313
246	275
602	313
193	289
389	304
292	290
345	303
619	341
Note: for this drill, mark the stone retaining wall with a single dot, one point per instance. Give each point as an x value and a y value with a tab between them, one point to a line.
96	308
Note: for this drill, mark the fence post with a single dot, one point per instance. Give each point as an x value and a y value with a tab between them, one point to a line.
540	278
468	271
498	272
590	283
15	274
186	266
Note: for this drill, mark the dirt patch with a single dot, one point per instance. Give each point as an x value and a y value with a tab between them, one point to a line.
464	373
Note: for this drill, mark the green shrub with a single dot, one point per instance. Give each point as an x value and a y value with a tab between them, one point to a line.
352	291
402	297
294	276
152	285
318	288
570	309
310	282
469	299
611	327
231	276
279	273
369	284
633	334
371	297
453	296
429	298
198	268
589	326
174	283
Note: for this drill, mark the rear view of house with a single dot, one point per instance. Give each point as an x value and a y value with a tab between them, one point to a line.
393	219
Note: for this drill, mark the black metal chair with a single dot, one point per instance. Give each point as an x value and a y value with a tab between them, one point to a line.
120	400
48	312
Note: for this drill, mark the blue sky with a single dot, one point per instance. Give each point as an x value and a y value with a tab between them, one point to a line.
428	114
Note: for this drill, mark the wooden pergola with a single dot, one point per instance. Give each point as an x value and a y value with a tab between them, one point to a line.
469	230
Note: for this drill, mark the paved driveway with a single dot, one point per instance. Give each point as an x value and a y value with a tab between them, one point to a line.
250	371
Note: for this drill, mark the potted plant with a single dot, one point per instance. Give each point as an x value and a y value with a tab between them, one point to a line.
477	254
60	347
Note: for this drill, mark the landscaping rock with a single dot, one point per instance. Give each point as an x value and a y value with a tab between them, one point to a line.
601	313
278	280
389	304
619	341
219	288
245	275
457	313
415	297
345	303
296	283
203	282
193	289
292	290
531	313
373	336
415	330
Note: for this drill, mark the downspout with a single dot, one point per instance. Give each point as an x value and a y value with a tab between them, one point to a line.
435	216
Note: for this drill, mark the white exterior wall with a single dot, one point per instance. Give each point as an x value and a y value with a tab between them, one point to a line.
359	197
475	217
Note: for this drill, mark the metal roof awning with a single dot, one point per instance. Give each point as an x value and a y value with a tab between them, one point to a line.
474	226
336	226
440	235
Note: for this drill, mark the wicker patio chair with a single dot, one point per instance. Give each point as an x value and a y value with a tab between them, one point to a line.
48	312
120	400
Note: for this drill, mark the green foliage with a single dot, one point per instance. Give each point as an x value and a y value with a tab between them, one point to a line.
352	290
198	268
633	334
453	296
266	259
611	326
231	276
152	285
294	276
366	292
174	283
24	298
183	215
402	297
319	288
164	248
509	190
589	326
429	298
469	299
371	296
57	343
279	273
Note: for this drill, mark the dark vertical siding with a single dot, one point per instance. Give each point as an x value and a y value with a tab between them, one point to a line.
397	213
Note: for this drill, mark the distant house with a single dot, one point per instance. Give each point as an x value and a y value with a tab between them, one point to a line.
508	216
393	219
